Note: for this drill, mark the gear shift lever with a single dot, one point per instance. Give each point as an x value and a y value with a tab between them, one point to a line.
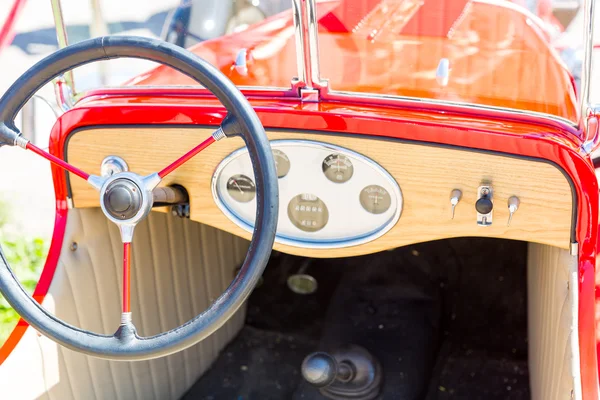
350	373
320	369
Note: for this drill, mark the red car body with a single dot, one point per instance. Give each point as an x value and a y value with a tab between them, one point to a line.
491	70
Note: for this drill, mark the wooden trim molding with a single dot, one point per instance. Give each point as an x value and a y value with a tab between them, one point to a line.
426	175
552	323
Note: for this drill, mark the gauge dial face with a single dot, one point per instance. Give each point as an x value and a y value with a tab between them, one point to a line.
338	168
375	199
282	163
308	213
241	188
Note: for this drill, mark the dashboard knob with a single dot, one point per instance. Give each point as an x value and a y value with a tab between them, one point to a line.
484	205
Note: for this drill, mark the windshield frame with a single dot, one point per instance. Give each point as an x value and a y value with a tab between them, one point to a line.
308	86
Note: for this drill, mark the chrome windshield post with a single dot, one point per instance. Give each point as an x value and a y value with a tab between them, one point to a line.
587	109
64	96
308	83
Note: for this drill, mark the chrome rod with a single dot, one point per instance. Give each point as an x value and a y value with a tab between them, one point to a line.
313	43
307	45
586	69
169	195
300	43
63	40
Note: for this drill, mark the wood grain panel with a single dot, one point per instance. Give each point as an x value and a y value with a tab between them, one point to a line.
426	175
552	324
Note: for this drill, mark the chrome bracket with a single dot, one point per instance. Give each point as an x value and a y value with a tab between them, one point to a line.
113	165
485	191
309	95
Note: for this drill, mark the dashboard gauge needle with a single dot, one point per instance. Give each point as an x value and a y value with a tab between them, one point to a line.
238	186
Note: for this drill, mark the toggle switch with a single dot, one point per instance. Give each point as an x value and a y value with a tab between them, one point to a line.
484	205
455	197
513	206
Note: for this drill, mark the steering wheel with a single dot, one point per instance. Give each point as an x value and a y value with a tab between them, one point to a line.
126	198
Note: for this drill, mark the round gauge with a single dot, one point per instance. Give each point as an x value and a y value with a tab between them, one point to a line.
282	162
241	188
338	168
375	199
308	213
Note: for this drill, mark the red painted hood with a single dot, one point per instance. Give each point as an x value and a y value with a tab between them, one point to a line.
498	56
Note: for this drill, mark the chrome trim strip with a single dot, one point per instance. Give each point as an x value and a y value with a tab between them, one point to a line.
376	98
332	95
307	244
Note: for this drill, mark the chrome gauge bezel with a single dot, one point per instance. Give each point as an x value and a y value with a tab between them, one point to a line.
317	243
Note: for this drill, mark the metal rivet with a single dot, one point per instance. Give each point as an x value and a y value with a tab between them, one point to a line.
73	246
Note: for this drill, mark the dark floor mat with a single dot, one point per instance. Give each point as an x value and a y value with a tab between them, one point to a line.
446	319
484	350
257	365
475	374
388	304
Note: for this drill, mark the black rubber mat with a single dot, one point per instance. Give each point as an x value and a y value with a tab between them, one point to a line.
484	351
256	365
446	319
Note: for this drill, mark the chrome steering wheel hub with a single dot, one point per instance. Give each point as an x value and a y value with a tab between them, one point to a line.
122	199
126	198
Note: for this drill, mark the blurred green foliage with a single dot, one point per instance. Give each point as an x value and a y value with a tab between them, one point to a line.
26	257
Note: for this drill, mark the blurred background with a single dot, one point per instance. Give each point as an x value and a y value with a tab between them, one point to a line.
27	34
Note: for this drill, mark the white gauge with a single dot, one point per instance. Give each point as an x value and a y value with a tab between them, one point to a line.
375	199
308	213
338	168
241	188
282	163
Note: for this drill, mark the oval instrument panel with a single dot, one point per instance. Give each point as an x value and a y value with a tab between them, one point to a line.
330	196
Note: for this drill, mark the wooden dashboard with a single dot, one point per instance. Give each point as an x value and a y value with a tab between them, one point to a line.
425	173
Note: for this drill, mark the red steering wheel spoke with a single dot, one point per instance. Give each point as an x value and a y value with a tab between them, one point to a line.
57	161
216	136
126	315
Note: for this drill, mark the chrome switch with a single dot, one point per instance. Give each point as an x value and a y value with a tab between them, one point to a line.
484	205
513	206
455	197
